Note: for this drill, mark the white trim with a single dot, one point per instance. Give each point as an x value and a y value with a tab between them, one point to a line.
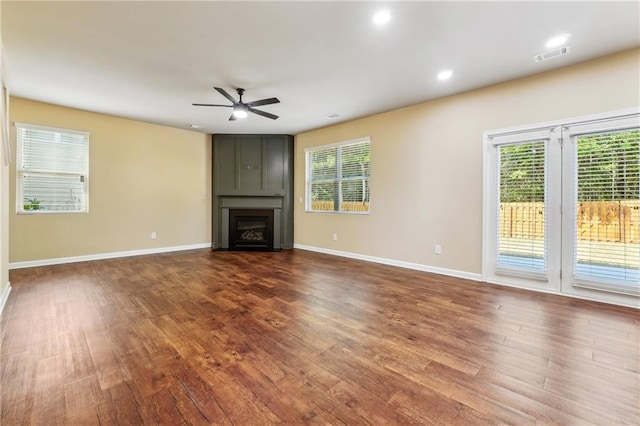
334	144
392	262
102	256
519	137
51	129
618	302
522	273
563	122
338	212
4	116
629	121
606	286
5	296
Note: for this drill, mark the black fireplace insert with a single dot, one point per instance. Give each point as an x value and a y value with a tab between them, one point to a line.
250	229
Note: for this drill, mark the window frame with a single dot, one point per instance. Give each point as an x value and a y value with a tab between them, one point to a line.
562	280
571	134
339	179
492	268
20	171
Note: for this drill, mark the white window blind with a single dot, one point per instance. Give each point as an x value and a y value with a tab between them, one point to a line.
338	177
521	209
606	222
52	170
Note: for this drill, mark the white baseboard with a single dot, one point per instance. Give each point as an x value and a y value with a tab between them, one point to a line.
5	296
392	262
102	256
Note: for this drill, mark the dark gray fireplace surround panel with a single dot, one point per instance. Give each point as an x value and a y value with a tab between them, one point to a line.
247	203
253	172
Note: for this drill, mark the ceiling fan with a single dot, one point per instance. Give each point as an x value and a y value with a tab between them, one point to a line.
241	109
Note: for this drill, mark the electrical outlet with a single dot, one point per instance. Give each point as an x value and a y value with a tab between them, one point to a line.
154	235
300	200
438	249
335	237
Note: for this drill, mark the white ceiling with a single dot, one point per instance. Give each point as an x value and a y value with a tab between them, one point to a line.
151	60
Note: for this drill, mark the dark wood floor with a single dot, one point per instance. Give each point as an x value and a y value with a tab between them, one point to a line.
297	337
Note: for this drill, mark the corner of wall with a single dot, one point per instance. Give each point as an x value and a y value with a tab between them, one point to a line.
5	286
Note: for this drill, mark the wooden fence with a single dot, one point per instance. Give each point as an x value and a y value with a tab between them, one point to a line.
600	221
346	206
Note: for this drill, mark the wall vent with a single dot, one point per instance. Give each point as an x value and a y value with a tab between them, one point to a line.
551	54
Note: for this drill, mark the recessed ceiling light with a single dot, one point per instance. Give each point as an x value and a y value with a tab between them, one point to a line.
445	75
332	116
194	126
382	17
558	40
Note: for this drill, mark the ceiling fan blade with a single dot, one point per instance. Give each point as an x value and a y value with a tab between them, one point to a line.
232	118
263	102
264	114
225	94
216	105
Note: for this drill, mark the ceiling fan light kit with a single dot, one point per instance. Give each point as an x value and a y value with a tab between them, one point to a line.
242	109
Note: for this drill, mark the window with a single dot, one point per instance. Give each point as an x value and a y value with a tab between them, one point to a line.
52	170
338	177
562	203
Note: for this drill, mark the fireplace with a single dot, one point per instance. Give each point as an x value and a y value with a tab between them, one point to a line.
251	229
252	173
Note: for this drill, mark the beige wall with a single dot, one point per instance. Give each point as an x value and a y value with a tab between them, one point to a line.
426	162
4	199
143	178
426	173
